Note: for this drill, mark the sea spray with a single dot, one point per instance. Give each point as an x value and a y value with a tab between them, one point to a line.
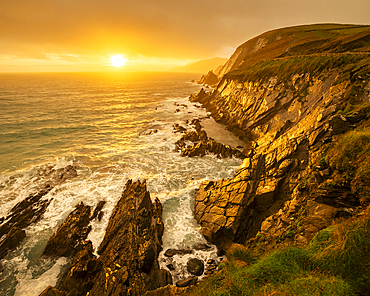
111	131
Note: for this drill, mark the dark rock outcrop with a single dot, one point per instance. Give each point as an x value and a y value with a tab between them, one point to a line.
195	266
70	234
187	282
128	253
173	252
208	79
197	143
31	208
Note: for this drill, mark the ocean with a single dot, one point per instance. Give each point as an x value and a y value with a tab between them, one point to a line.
113	127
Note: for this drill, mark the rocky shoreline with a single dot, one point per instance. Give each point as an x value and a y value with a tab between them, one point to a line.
284	192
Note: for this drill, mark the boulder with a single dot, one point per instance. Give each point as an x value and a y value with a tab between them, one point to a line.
173	252
187	282
195	266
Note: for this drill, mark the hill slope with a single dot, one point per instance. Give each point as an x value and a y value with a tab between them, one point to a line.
300	99
201	66
288	98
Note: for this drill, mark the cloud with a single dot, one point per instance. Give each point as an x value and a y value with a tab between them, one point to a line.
175	29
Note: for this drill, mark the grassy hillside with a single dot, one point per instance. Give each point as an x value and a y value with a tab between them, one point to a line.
330	167
335	263
281	50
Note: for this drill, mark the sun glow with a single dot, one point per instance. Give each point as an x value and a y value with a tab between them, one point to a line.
117	61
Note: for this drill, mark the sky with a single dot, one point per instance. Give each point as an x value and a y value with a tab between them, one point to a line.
82	35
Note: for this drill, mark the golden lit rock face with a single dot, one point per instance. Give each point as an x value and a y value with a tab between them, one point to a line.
286	118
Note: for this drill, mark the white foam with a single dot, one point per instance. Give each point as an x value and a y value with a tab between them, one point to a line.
102	173
29	286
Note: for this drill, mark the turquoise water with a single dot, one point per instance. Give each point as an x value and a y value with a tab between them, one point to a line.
112	127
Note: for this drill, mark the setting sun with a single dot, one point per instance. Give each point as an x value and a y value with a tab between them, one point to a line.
117	61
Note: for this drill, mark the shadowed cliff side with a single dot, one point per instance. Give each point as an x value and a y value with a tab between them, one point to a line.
289	106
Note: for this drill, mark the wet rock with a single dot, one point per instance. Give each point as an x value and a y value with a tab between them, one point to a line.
50	291
70	234
98	210
33	207
195	266
196	123
211	147
187	282
128	263
150	132
178	128
201	97
11	240
173	252
81	274
201	247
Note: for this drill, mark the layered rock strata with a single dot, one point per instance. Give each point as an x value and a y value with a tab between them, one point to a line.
288	123
197	143
128	253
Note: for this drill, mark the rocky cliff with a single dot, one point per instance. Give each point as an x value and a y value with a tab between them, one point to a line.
289	94
128	253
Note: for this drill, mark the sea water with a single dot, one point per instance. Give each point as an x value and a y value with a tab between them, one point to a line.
113	127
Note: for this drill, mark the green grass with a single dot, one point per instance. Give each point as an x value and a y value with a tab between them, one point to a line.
337	262
350	156
284	69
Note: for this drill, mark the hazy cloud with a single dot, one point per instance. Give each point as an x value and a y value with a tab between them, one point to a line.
175	29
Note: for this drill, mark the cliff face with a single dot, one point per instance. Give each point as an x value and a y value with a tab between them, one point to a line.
292	94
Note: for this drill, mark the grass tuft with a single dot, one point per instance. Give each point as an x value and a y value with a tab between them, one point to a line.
337	262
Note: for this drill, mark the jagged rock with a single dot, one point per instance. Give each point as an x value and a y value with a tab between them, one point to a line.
214	147
195	266
50	291
200	97
196	123
98	210
81	274
173	252
128	253
70	234
201	247
187	282
33	207
11	240
208	79
178	128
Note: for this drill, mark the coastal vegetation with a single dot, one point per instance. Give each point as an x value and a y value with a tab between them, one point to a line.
334	263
